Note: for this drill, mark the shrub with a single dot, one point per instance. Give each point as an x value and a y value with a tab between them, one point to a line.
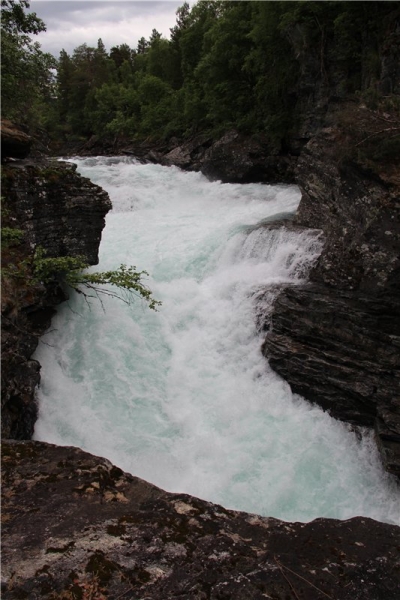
126	281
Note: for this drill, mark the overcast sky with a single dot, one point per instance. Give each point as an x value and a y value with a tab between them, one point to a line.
74	22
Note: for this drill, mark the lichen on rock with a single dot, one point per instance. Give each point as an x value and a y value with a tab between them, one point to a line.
60	538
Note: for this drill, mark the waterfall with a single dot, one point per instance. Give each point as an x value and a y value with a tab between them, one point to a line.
183	397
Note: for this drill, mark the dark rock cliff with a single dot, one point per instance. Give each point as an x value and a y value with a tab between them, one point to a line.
62	213
234	158
58	210
74	526
337	339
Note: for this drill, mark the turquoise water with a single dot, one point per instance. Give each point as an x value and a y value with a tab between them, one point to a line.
183	397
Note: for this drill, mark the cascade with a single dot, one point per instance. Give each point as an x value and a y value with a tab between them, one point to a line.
183	397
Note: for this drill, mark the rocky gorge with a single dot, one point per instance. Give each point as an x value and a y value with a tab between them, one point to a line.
75	526
342	349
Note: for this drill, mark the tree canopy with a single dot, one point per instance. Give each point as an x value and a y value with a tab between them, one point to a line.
27	75
225	64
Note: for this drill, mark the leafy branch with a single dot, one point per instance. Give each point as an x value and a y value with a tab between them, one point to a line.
126	281
123	283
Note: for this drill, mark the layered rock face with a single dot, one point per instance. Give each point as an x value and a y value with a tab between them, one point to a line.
58	210
96	532
337	339
62	213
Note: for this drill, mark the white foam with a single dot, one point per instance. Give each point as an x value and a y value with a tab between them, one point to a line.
183	397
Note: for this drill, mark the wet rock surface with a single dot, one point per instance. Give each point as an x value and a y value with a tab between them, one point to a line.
62	213
233	158
237	158
74	526
337	340
21	327
58	210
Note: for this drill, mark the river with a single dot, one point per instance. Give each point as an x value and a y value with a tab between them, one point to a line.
183	397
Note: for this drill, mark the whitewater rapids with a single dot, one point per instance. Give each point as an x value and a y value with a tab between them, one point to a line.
183	397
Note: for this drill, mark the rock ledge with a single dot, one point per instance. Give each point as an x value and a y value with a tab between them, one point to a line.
74	526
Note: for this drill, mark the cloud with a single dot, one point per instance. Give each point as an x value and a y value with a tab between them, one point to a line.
71	23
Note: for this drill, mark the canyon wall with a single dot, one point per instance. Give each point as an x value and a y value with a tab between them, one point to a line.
336	340
63	214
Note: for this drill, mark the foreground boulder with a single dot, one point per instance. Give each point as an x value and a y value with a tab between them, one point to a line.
74	526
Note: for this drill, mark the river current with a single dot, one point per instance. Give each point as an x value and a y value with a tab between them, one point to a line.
183	397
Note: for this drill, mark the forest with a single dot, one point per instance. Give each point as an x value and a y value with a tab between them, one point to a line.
226	64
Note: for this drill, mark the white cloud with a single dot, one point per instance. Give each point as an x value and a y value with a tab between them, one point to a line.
71	23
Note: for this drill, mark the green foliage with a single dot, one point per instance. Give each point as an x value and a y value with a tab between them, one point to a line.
228	88
27	76
14	19
48	269
122	54
125	281
12	266
227	64
78	79
10	236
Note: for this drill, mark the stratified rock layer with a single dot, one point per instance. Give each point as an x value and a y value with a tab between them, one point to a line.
74	526
337	340
60	211
64	214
